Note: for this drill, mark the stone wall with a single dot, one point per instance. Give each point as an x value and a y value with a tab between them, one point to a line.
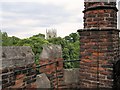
52	57
42	81
71	78
17	69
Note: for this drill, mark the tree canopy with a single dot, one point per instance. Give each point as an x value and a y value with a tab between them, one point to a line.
69	44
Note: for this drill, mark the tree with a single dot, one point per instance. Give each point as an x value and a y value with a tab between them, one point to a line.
73	37
9	41
69	44
36	42
39	36
70	48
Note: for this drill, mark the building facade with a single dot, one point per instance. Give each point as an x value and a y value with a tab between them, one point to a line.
51	33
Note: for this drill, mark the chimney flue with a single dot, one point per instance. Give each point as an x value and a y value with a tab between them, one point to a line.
100	15
99	44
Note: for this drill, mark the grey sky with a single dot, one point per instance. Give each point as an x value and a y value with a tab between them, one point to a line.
28	17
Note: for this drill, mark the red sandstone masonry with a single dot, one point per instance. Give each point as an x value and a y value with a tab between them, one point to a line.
23	74
17	70
54	71
54	67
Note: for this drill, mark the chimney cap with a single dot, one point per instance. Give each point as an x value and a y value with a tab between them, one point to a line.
100	1
100	7
98	29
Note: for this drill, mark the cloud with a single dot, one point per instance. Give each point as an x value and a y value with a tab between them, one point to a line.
27	18
24	18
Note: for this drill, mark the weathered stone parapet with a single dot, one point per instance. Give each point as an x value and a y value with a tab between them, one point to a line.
17	69
42	81
71	79
51	52
16	56
52	57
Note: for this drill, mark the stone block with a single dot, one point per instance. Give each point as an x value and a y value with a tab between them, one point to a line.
71	76
13	56
42	81
51	52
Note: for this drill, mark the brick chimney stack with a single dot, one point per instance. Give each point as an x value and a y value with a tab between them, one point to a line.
99	44
100	15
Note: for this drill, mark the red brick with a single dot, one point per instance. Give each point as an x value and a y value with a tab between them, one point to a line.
87	60
96	54
20	76
18	81
33	85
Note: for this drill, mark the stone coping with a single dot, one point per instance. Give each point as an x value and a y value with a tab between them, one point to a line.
98	29
101	8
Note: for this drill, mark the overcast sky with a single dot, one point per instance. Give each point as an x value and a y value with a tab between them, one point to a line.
25	18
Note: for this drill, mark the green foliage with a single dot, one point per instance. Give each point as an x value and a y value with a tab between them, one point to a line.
9	41
69	44
70	48
39	36
36	42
